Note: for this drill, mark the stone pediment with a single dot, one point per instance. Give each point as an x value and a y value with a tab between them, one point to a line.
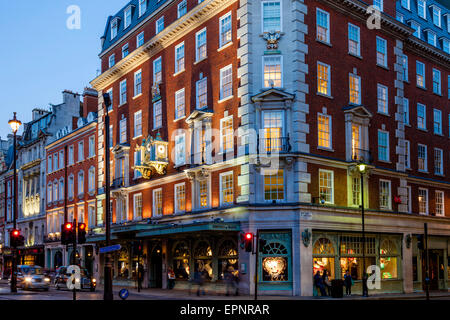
358	110
273	95
198	115
121	148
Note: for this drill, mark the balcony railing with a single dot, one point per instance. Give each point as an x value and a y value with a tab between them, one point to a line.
361	155
52	238
118	183
274	145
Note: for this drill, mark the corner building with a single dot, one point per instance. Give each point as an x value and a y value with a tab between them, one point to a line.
251	116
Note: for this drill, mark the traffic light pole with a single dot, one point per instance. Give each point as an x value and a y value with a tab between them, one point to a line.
74	258
14	247
256	264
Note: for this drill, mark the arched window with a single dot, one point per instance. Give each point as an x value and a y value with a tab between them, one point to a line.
181	255
203	259
388	259
323	246
275	262
228	258
324	257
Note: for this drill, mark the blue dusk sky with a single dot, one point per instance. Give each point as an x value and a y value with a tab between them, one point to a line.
40	56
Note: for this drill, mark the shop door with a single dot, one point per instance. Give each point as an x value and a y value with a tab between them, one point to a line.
155	276
433	270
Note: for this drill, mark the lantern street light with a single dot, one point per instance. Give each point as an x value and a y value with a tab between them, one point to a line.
362	168
15	125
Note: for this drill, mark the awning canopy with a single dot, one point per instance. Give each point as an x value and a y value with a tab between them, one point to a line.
187	228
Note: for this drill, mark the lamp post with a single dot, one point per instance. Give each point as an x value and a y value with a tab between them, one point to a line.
108	290
362	169
15	125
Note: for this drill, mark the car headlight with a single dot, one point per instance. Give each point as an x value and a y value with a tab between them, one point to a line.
28	279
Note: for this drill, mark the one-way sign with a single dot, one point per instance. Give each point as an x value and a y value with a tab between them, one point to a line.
115	247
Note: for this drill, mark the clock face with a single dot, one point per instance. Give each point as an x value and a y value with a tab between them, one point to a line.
161	150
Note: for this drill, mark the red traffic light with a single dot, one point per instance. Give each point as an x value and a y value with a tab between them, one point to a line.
248	236
82	226
15	233
68	226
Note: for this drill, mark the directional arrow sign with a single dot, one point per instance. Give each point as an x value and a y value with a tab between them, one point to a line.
115	247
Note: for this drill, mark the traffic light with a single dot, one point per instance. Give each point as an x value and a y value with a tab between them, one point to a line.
248	238
17	240
137	248
81	233
67	233
420	243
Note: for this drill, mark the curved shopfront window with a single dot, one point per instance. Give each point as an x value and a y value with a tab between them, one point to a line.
181	254
324	257
203	259
275	262
388	260
228	258
123	264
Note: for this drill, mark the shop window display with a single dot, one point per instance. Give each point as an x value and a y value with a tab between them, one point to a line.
203	259
355	266
228	259
275	262
181	256
123	270
388	260
324	252
351	249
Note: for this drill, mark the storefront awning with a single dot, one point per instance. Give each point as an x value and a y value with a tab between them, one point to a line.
187	228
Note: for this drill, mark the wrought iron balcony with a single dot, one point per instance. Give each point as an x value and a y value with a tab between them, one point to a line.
52	238
362	155
274	145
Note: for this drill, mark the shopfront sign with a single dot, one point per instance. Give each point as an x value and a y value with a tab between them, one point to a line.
304	215
115	247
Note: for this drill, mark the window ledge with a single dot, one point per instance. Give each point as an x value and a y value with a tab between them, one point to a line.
355	55
385	161
137	96
225	46
202	59
179	72
383	67
421	129
324	42
122	104
324	95
176	120
438	134
423	171
383	114
179	165
423	88
137	137
437	94
225	99
325	149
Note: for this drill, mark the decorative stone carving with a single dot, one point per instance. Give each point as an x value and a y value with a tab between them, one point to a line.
272	38
306	237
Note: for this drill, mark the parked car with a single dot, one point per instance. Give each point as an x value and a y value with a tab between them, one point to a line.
31	277
87	282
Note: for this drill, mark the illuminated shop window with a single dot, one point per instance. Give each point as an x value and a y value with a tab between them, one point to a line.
203	260
181	256
275	262
351	255
228	259
324	257
388	260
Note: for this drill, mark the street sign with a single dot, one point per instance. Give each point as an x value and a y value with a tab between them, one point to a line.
115	247
123	294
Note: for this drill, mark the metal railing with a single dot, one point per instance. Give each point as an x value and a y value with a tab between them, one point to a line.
362	155
274	145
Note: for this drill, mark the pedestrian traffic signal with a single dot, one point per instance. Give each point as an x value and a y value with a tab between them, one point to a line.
248	238
81	233
67	233
137	248
420	244
17	240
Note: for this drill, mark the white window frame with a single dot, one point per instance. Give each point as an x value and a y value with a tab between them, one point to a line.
180	149
436	9
426	201
138	124
222	137
181	5
406	119
197	97
263	29
176	200
425	160
267	59
317	25
159	25
140	40
112	60
157	106
389	204
136	216
330	131
138	83
125	50
422	13
385	53
221	177
155	74
180	104
142	7
408	4
358	78
439	117
154	206
123	130
199	45
80	151
137	156
221	31
127	19
114	28
358	46
222	72
441	164
439	82
178	69
424	127
408	154
420	75
91	179
442	204
123	93
80	183
328	68
91	146
385	90
331	176
387	147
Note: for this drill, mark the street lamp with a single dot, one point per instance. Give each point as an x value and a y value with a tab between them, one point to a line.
15	125
362	168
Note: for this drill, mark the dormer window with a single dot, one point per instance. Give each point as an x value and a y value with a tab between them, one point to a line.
127	17
436	15
114	25
142	7
446	45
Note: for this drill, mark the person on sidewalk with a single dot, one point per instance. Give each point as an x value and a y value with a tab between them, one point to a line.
318	282
326	281
348	282
171	278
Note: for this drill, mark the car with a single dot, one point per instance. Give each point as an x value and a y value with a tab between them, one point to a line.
31	277
61	277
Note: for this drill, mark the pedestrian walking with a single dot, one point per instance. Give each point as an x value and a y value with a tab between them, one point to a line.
318	282
348	282
171	278
326	281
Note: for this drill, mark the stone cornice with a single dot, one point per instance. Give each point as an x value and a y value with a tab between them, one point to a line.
422	48
71	135
194	18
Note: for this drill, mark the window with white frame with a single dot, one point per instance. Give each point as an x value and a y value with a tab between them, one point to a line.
110	93
157	115
138	124
273	130
123	92
383	145
137	206
381	52
422	8
436	16
203	193
421	116
271	16
125	50
226	188
439	203
123	130
112	60
355	89
200	45
382	99
140	39
422	156
91	146
436	81
80	217
385	195
324	131
180	198
326	186
180	149
71	186
159	25
182	9
446	43
323	26
71	155
225	29
420	74
137	162
49	193
406	111
406	4
91	180
356	191
49	164
114	25
80	183
55	191
274	186
138	83
407	154
437	121
111	133
432	38
378	4
356	141
179	57
61	159
55	162
80	151
438	161
226	135
91	216
180	102
142	7
226	82
323	78
127	17
157	203
201	87
157	70
354	40
423	201
272	71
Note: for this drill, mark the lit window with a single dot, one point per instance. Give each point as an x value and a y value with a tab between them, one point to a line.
160	25
381	52
138	124
200	42
382	99
226	135
157	203
436	81
271	13
157	115
273	131
226	188
182	8
226	82
423	201
324	130
438	162
225	29
274	186
383	145
272	71
440	206
179	104
356	191
355	89
420	74
202	93
356	142
437	121
422	158
137	206
180	198
421	116
326	186
203	192
323	78
323	26
354	46
385	194
179	57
